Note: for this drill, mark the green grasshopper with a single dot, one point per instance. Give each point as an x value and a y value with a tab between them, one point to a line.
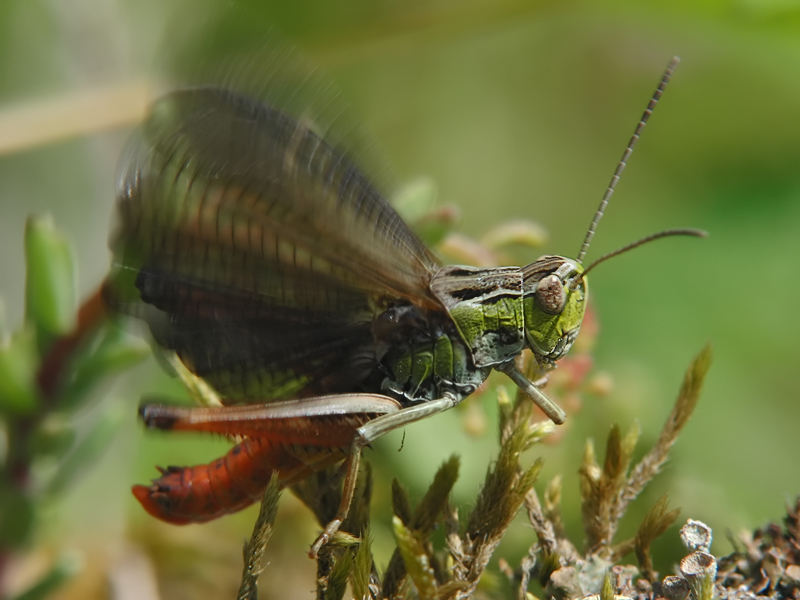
266	260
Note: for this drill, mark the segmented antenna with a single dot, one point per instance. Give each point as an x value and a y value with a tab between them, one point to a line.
645	240
626	155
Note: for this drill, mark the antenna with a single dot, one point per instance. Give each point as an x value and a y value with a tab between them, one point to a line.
645	240
626	155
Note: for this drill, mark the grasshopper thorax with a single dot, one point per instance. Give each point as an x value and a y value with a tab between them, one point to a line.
554	296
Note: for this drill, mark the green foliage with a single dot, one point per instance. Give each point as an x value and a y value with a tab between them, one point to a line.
18	363
50	368
50	284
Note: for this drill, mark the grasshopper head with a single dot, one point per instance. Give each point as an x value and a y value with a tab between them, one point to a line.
554	301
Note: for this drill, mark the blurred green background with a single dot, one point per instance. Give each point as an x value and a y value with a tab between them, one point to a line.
516	110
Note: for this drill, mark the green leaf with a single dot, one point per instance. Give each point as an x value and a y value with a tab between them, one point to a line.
519	231
434	227
415	199
415	203
115	353
50	297
17	516
19	362
87	451
53	437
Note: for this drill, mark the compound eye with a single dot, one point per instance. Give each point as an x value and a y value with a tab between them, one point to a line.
550	295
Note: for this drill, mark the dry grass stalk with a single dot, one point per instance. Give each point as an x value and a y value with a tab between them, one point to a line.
606	492
552	505
600	487
500	499
420	523
651	464
542	526
254	549
77	114
657	520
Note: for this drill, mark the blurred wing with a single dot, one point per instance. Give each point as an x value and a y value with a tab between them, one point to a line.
256	250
